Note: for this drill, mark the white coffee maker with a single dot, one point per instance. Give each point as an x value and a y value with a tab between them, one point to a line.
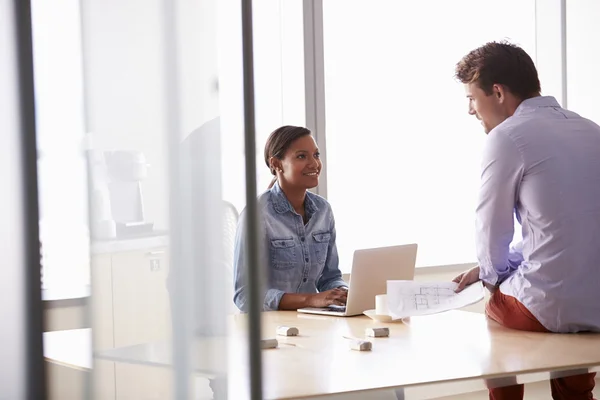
117	196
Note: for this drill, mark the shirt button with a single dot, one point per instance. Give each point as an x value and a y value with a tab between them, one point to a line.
306	259
304	280
302	238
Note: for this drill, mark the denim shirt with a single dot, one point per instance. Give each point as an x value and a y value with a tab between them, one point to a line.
299	258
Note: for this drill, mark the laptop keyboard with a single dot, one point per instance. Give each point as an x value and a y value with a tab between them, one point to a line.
335	308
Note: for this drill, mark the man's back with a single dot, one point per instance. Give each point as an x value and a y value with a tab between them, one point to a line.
556	174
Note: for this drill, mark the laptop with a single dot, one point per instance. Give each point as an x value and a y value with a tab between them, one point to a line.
371	269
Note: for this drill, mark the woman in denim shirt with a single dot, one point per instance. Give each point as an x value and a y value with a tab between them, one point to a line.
298	230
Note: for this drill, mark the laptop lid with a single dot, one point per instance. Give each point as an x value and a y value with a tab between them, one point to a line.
372	268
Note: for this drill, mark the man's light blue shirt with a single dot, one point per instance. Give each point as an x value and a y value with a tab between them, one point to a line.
298	258
543	163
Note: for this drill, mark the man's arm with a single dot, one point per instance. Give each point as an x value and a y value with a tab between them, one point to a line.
502	172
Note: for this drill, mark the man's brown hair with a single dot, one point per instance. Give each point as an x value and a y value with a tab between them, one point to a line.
500	63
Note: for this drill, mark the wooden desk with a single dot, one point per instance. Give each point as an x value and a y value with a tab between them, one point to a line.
446	350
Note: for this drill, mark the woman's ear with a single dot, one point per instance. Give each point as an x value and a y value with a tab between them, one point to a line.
275	164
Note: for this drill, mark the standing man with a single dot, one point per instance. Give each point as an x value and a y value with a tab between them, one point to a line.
542	163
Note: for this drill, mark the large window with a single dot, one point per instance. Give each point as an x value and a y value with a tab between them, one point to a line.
583	39
279	85
403	153
62	171
397	129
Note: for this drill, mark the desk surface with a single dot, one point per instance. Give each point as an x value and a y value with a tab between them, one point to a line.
66	293
71	348
451	347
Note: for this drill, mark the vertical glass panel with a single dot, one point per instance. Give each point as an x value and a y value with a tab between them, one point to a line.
63	196
137	118
13	340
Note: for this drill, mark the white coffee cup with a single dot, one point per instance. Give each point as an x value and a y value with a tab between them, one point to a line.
381	305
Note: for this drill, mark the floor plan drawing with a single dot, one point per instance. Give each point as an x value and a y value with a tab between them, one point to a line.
433	295
408	298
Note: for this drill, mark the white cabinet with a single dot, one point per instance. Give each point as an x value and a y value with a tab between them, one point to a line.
141	315
140	297
103	377
131	306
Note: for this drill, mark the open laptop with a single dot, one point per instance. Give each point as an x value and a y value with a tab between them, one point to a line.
371	269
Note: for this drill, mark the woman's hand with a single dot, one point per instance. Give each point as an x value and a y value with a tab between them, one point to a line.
336	297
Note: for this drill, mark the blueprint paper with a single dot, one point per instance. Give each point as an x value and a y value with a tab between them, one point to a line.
411	298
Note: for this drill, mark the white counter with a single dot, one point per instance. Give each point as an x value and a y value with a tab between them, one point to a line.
156	239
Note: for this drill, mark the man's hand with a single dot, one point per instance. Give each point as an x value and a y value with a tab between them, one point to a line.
467	278
335	297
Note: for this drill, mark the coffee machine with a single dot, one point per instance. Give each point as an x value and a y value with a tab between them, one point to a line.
117	196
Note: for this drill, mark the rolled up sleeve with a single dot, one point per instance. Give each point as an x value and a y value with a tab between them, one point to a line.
272	299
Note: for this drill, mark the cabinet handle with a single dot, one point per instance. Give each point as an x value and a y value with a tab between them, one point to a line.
155	253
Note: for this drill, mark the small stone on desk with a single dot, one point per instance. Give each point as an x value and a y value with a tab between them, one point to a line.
377	332
287	331
361	345
269	343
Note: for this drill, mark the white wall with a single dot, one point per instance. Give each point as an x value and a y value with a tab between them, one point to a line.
125	81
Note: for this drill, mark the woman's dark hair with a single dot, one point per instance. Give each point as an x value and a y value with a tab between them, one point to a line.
279	142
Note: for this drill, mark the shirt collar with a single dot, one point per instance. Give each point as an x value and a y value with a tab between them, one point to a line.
281	203
536	102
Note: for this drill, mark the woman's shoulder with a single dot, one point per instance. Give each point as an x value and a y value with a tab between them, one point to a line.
264	198
262	203
320	201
